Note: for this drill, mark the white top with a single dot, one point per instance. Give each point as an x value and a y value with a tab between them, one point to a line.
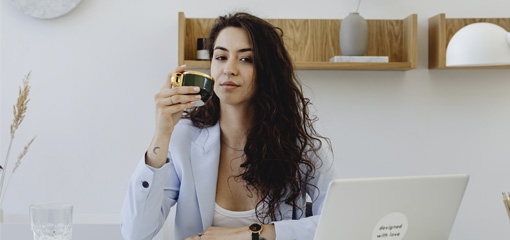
226	218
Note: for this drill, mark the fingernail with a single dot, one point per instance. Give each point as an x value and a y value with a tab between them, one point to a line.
196	89
198	96
183	65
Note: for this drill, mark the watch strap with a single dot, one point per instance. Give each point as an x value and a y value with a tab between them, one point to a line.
255	236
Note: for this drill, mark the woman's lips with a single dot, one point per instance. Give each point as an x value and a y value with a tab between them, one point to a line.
229	85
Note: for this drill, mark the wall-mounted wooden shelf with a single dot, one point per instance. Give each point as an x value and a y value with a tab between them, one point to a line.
312	42
442	29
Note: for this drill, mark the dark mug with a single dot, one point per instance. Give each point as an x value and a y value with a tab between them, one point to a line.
192	78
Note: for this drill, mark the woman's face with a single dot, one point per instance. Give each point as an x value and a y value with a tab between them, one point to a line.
232	66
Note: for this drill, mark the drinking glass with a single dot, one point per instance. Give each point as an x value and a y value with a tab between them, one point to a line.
51	221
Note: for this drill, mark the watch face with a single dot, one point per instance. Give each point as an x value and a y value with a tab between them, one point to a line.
255	227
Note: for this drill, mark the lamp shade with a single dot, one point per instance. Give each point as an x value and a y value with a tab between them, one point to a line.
479	44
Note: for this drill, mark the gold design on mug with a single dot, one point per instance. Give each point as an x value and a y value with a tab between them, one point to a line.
178	78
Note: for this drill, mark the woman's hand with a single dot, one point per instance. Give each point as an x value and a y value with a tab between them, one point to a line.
223	233
171	102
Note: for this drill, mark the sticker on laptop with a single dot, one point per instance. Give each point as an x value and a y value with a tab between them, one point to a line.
391	227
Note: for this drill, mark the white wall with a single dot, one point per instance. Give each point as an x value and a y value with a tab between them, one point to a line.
96	70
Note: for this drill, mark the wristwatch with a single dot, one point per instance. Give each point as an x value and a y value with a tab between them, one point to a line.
255	230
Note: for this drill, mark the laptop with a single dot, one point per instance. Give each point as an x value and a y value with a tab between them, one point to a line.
391	208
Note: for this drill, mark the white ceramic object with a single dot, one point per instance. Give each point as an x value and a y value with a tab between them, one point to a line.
45	9
479	44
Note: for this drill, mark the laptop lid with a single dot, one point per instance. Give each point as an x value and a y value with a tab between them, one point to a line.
391	208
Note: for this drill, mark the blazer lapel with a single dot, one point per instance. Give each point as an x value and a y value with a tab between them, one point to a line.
205	156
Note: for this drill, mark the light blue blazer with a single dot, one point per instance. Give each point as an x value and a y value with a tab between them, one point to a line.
189	179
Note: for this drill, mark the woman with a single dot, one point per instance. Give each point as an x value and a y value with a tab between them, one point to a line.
250	154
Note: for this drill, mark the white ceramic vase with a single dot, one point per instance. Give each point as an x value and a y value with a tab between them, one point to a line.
353	35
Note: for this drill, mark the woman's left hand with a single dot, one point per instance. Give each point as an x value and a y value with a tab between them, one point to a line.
223	233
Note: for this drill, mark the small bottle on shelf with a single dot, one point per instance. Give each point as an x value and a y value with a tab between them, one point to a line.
202	53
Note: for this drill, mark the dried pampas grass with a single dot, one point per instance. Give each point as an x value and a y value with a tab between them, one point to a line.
21	106
19	110
25	150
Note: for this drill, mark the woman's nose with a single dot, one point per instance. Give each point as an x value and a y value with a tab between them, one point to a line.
231	67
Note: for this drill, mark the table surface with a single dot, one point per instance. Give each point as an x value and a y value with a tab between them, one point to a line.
21	231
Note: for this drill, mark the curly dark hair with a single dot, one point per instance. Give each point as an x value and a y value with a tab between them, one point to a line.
282	148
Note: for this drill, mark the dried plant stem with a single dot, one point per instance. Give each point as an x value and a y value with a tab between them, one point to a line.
19	110
359	2
22	154
5	169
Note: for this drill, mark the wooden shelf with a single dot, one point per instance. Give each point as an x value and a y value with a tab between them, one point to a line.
442	29
312	42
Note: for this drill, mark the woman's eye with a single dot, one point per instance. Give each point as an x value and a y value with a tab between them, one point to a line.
220	58
247	59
